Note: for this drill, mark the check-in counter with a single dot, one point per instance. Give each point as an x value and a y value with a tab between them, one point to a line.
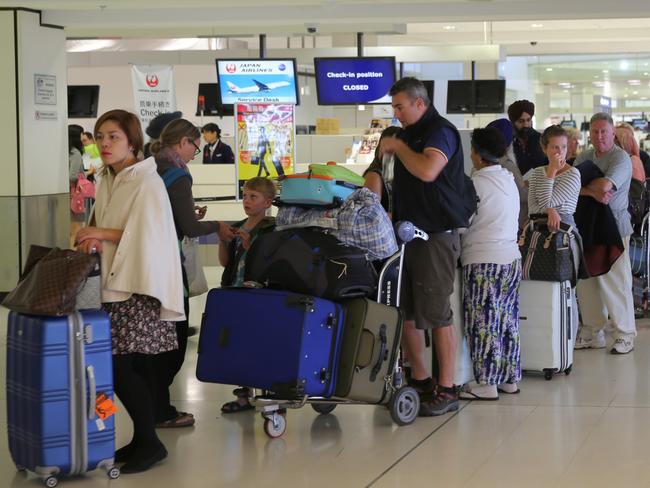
215	181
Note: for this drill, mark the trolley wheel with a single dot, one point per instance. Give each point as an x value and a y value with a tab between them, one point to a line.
20	468
51	481
548	374
404	406
323	408
568	370
113	473
275	426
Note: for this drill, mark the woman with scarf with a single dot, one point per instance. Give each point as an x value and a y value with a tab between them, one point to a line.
178	144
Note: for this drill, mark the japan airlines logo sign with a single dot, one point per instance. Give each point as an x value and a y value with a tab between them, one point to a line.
152	81
231	68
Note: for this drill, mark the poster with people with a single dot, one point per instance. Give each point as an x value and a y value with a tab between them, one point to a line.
265	140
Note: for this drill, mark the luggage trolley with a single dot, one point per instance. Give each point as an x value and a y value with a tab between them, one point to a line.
402	401
640	261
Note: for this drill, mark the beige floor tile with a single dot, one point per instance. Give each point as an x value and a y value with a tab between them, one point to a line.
589	429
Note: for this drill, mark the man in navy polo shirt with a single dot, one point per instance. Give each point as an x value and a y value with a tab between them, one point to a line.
430	190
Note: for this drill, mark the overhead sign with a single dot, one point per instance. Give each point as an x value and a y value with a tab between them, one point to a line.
351	81
257	81
153	91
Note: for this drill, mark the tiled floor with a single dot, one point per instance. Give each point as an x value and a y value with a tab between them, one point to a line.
589	429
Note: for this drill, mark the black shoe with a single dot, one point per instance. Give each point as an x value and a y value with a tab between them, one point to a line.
123	454
139	463
445	400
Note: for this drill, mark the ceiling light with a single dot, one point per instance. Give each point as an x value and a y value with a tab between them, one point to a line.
565	91
549	69
624	64
635	93
634	82
605	71
644	98
449	27
537	26
596	76
645	74
625	96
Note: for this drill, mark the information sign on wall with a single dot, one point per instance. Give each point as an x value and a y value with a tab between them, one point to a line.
44	89
265	140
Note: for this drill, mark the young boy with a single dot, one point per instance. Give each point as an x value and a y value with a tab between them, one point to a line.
258	197
259	193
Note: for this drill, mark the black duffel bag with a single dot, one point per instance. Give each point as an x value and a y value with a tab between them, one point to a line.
310	261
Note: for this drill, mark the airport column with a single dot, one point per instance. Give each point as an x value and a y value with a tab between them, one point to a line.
34	188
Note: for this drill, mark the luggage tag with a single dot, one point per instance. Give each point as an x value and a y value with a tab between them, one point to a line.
104	408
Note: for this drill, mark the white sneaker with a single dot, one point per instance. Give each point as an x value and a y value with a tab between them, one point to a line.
587	340
622	346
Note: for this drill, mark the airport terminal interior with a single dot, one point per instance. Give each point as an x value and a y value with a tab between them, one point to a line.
67	62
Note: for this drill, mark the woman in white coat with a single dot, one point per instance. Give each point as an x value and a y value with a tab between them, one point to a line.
132	227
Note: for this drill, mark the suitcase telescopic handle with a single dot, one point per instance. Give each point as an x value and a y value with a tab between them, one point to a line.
382	353
92	391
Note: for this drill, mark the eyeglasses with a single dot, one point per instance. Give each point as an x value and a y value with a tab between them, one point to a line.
198	149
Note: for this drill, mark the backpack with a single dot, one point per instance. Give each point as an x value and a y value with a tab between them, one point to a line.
637	201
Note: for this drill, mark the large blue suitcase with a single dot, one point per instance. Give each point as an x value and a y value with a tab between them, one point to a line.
274	340
56	366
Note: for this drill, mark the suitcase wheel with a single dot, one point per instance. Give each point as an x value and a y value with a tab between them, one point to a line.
548	374
275	425
51	481
323	408
113	473
404	406
568	370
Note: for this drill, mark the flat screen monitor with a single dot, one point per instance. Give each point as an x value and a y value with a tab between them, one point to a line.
429	85
584	126
460	94
569	124
354	81
639	123
257	81
212	101
83	101
476	96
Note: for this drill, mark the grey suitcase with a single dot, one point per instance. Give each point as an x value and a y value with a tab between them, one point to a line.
369	350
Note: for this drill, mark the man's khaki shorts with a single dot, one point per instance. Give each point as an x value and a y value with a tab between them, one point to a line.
428	280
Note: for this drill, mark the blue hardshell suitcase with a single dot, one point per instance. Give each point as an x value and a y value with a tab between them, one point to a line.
274	340
56	366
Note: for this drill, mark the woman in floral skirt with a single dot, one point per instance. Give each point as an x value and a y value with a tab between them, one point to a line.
492	272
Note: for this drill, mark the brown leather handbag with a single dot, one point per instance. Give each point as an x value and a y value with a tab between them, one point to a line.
56	282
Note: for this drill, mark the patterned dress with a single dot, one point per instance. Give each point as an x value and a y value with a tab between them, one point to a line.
491	303
136	326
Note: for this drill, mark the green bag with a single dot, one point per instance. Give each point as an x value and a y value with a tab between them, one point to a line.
336	172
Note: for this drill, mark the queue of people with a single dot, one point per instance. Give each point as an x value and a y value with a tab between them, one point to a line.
419	174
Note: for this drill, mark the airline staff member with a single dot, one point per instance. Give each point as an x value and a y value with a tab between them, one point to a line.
215	151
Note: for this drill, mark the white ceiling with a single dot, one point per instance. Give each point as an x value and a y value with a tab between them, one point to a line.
411	22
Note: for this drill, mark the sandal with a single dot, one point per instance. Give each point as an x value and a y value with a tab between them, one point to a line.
235	406
468	395
183	419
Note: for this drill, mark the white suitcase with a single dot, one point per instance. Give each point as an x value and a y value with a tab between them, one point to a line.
545	325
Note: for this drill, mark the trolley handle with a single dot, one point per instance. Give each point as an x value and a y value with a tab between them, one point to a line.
406	231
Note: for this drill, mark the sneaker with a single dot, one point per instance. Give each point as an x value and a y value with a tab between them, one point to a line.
445	400
588	340
622	346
